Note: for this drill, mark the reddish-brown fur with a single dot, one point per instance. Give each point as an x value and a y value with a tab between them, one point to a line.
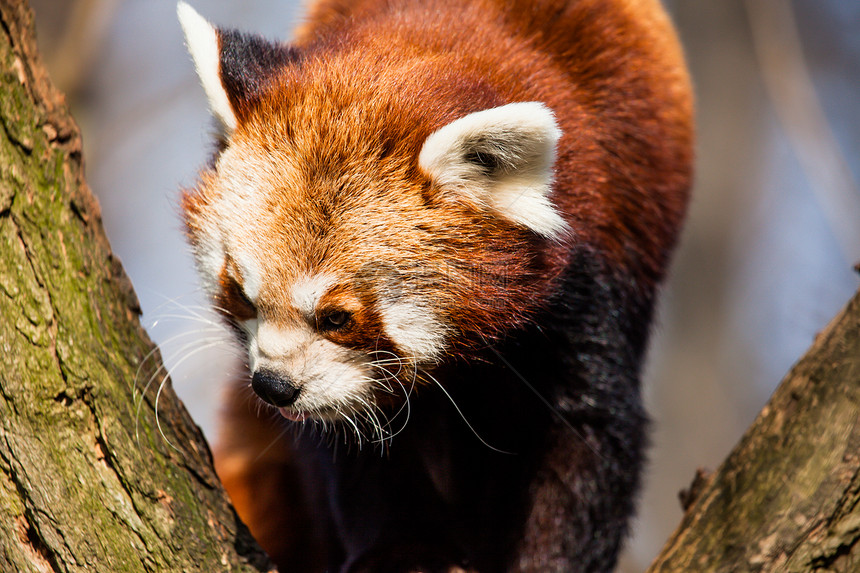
374	79
623	161
612	71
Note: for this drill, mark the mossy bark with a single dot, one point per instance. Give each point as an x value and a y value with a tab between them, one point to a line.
87	480
788	496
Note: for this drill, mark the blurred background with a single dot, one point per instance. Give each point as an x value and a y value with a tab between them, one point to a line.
765	261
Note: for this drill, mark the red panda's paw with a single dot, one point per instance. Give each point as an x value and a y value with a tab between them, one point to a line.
412	558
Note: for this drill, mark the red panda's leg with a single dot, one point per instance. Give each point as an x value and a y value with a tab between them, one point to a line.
582	496
255	460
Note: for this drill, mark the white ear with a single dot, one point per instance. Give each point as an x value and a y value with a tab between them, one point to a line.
501	158
202	41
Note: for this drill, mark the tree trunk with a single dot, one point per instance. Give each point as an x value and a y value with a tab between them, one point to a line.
788	496
87	479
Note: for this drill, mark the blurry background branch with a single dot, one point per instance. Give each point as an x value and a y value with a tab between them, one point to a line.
790	87
78	33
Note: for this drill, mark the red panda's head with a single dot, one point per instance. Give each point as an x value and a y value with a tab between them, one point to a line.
361	225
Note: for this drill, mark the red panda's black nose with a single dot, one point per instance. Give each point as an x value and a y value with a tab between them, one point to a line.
275	389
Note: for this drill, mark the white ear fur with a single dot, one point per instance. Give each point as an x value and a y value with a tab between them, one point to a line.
202	41
502	158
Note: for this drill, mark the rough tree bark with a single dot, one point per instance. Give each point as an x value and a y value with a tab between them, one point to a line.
787	498
87	481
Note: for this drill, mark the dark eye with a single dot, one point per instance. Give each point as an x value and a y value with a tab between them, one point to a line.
233	301
334	319
243	299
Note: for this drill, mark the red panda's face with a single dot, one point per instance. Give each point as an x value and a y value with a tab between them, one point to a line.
354	244
310	264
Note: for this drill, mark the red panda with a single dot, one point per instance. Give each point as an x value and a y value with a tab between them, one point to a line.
438	228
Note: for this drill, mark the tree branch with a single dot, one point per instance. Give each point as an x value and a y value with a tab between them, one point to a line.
87	479
786	498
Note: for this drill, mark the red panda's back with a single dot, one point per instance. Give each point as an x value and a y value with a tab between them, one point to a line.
612	71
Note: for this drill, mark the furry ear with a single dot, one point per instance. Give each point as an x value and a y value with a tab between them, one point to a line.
500	158
233	67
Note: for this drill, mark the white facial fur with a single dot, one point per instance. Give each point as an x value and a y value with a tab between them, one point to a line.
414	328
252	277
331	376
522	137
243	174
307	291
202	41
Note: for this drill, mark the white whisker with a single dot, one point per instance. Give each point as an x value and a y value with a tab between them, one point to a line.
463	416
405	406
160	369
